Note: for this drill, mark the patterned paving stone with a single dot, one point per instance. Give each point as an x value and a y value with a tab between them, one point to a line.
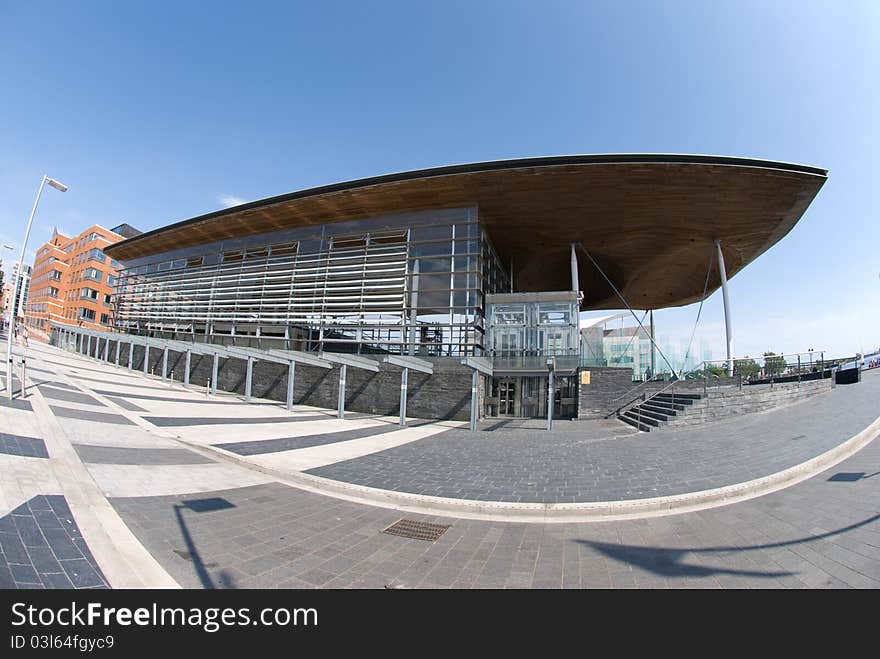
70	396
259	447
88	415
138	456
169	421
28	447
41	547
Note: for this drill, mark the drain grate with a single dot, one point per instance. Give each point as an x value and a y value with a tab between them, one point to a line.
410	528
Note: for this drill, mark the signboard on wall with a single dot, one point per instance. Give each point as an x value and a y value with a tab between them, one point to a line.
585	377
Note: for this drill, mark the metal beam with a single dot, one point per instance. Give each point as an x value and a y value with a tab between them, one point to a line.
300	357
416	364
480	364
351	360
186	367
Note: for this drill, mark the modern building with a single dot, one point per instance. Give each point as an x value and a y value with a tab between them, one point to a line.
22	285
74	282
482	266
610	341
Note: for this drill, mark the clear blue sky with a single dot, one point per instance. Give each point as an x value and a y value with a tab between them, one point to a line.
155	112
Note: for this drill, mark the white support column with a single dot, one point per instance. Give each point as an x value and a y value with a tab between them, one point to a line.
550	400
291	375
118	347
249	378
146	357
474	389
107	350
404	376
130	355
165	364
89	346
186	367
340	411
214	373
723	272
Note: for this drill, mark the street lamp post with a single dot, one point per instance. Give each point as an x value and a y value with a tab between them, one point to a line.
61	188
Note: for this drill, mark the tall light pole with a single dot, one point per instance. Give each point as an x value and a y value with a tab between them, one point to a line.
61	188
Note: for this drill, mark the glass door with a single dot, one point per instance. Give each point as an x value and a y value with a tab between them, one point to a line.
507	397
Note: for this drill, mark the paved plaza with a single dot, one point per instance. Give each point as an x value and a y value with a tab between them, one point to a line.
114	479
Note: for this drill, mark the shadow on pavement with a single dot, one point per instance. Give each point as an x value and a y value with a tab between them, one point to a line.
667	562
192	553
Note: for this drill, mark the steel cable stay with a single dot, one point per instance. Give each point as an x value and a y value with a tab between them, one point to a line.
626	304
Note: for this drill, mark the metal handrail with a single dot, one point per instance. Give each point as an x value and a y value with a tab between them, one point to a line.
623	408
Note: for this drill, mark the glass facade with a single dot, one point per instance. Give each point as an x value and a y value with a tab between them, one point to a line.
409	284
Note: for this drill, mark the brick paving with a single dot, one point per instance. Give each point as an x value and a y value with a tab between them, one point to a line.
528	464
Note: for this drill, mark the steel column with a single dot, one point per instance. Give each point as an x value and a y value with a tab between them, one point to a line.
550	401
723	272
474	387
146	357
186	367
164	364
130	354
340	411
249	378
404	376
214	373
118	347
291	374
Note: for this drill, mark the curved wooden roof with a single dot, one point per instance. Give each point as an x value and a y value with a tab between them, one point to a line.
649	220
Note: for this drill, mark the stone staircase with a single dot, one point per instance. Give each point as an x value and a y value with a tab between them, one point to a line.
659	409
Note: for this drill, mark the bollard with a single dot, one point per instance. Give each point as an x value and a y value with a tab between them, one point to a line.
23	388
207	387
171	381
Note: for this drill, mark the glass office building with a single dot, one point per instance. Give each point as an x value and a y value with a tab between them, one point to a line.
410	284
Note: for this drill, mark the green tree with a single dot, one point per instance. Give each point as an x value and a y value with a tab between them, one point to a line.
746	367
773	364
717	370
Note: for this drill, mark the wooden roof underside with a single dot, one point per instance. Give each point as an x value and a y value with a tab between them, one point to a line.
650	225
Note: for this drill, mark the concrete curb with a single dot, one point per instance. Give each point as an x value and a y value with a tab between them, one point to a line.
125	562
500	511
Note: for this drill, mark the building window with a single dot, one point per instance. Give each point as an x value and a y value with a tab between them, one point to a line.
111	280
55	275
93	273
86	314
96	254
88	294
107	299
53	292
105	319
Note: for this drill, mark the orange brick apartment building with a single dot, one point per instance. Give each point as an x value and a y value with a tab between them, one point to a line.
73	281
